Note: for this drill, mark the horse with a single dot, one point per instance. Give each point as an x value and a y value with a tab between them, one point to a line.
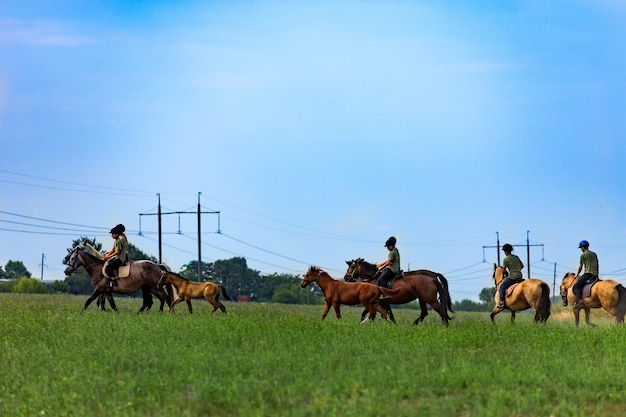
426	286
144	276
530	292
607	293
188	289
348	293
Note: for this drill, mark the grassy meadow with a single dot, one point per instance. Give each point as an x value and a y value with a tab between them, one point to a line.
280	360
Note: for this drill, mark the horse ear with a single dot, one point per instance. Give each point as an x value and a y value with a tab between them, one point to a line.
495	265
348	262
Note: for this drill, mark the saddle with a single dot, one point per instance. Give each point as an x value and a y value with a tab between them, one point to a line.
509	290
392	280
122	272
589	284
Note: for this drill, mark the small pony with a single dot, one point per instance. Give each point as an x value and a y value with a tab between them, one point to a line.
189	289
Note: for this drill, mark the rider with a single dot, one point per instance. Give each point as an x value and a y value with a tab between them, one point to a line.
590	260
118	255
514	265
391	267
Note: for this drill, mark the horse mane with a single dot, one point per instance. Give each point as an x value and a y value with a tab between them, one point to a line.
89	250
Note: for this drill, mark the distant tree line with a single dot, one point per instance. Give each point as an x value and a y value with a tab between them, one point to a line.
241	282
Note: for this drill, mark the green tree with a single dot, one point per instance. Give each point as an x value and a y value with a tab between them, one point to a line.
59	287
235	275
26	285
16	269
486	295
3	275
190	271
287	294
270	283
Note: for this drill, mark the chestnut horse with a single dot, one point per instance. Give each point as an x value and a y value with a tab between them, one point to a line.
348	293
144	276
189	289
608	294
426	286
529	293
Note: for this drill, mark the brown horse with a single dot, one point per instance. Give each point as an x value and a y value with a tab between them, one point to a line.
529	293
426	286
144	276
608	294
189	289
339	292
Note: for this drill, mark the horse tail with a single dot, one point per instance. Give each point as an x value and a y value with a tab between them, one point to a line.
221	287
444	283
444	300
621	304
543	308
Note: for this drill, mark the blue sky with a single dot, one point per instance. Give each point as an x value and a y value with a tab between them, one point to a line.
317	130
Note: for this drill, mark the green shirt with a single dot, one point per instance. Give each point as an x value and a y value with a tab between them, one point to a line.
394	257
590	260
514	265
121	245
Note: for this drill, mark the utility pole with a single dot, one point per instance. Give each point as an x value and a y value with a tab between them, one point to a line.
199	212
528	245
43	264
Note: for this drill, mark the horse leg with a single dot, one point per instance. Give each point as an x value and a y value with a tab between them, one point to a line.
326	308
178	300
385	304
587	315
336	306
109	297
365	313
512	316
188	300
93	296
493	314
423	311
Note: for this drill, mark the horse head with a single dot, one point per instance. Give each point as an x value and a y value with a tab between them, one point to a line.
565	286
74	260
311	275
354	268
498	274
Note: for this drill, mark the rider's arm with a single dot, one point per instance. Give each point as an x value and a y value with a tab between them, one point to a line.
383	264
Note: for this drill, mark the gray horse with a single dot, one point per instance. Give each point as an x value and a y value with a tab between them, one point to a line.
144	276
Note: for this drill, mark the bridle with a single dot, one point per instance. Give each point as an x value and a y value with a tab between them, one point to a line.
355	270
315	280
564	293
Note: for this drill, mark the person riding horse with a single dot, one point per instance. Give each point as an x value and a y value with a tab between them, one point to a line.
118	255
589	260
514	265
391	267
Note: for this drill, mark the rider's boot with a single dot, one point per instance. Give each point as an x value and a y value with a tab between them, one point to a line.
113	280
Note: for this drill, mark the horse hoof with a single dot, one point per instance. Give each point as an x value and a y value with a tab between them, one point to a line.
365	320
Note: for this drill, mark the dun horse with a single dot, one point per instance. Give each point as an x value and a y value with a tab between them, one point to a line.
426	286
338	292
188	289
529	293
144	276
607	294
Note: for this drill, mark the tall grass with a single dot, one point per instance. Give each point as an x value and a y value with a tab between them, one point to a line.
282	360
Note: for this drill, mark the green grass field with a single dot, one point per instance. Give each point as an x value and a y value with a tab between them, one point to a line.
279	360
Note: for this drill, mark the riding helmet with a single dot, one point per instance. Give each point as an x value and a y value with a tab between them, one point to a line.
507	247
390	242
118	230
583	244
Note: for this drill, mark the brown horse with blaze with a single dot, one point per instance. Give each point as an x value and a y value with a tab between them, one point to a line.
607	294
339	292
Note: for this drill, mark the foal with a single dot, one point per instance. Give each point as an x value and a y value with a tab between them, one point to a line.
349	293
189	289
